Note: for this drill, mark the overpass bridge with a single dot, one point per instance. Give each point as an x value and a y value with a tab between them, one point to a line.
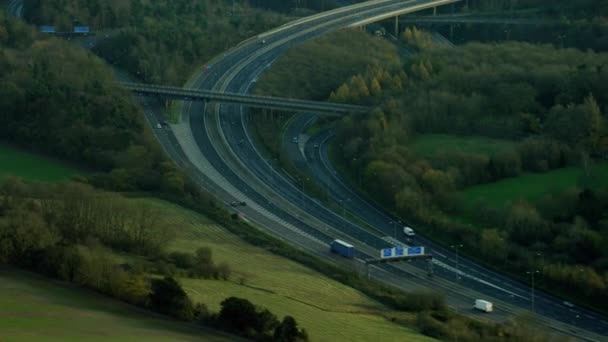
459	19
266	102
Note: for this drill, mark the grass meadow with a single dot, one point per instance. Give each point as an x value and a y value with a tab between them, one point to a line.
431	145
531	186
32	167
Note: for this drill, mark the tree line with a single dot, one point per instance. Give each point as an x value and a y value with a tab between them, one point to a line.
579	24
550	102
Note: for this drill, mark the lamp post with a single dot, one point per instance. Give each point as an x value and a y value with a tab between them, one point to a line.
561	40
457	248
358	170
532	273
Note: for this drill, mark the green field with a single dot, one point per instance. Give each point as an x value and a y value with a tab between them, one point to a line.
34	308
530	186
328	310
431	145
30	166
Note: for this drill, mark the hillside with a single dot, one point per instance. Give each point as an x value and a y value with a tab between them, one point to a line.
34	308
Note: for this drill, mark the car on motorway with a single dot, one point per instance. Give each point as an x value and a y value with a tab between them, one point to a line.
568	304
263	41
234	204
316	145
409	231
165	123
294	140
159	126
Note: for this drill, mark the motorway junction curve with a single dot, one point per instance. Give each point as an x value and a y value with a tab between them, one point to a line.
213	143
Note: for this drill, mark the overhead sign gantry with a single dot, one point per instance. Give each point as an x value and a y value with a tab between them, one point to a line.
402	253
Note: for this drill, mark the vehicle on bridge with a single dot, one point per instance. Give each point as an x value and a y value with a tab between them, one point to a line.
345	249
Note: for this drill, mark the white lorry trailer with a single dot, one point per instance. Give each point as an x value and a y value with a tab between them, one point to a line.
483	305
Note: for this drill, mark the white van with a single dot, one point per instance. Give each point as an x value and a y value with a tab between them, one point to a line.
408	231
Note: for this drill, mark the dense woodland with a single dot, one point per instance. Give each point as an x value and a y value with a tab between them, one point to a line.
161	41
60	100
551	102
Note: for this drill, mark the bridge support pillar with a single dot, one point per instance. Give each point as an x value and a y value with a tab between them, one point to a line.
397	26
434	11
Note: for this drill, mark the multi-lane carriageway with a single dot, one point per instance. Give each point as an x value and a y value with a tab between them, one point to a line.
217	149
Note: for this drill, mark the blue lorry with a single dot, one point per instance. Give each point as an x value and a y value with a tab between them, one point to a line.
345	249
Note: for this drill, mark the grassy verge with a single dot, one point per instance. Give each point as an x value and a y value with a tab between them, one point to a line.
267	129
531	186
34	308
30	166
327	309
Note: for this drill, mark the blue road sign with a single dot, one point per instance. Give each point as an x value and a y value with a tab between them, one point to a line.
399	251
415	251
81	29
47	29
386	253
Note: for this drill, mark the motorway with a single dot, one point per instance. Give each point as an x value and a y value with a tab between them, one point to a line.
218	152
230	158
